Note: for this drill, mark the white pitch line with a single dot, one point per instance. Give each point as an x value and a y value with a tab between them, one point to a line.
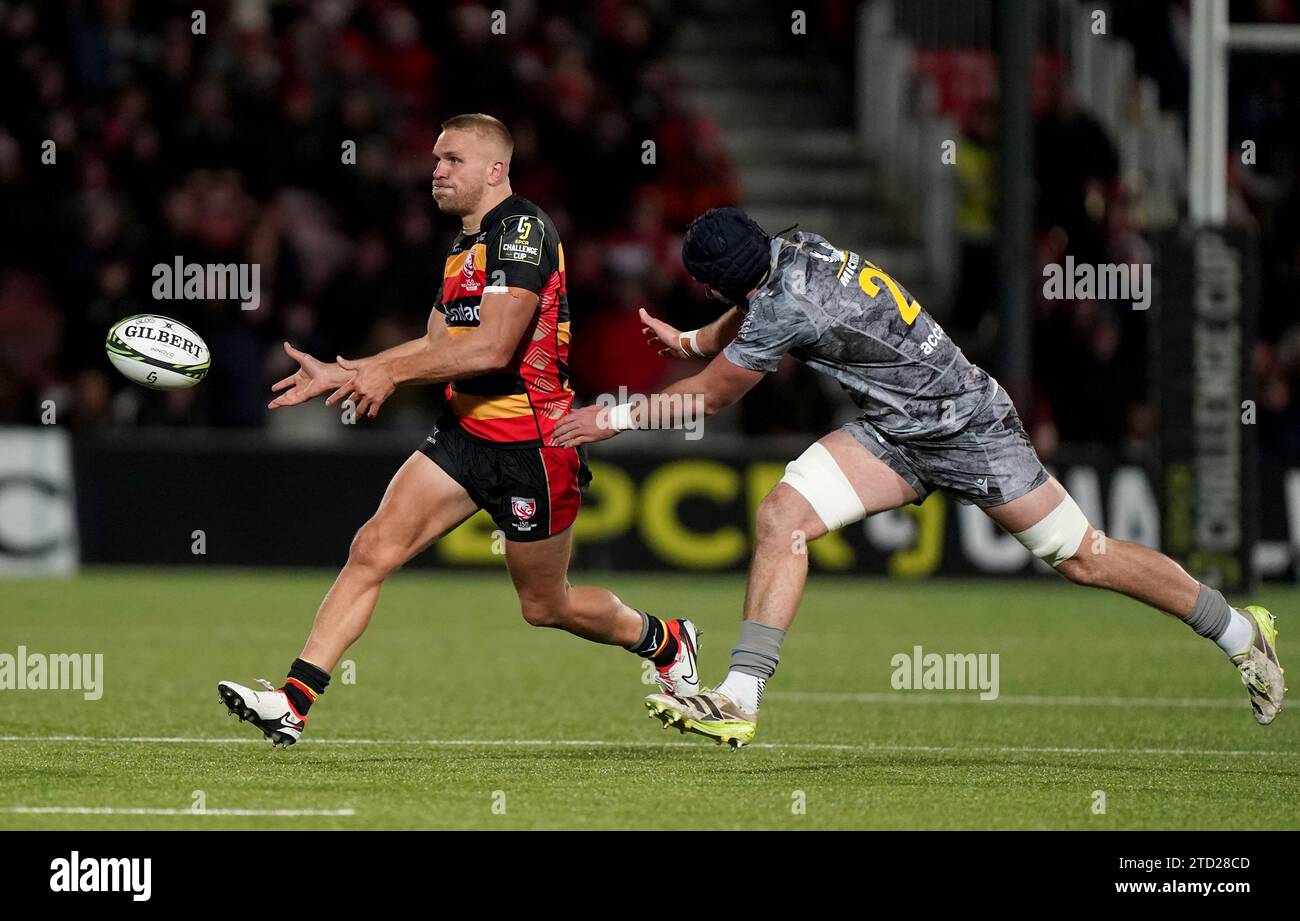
610	743
971	697
140	810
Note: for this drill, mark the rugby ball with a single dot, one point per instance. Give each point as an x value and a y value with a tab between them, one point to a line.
158	352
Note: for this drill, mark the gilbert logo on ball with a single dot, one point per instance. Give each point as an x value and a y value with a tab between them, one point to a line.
158	352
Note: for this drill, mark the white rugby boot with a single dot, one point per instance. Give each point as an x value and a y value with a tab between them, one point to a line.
681	676
269	710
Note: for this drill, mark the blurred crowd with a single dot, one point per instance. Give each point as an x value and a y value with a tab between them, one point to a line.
231	146
1263	195
1091	358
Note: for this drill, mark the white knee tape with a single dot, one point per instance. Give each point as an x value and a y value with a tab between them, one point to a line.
815	476
1056	538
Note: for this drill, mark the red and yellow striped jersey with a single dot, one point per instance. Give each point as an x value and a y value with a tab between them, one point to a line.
516	247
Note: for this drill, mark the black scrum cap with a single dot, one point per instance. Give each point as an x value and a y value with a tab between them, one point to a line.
727	250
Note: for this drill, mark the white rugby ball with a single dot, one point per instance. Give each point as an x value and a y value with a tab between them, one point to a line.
158	352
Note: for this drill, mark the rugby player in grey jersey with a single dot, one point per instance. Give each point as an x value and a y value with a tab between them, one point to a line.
930	420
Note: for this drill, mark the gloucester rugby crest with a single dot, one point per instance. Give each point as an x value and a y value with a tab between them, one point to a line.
524	510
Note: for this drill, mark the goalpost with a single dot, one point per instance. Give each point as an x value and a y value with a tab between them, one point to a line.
1205	328
1212	39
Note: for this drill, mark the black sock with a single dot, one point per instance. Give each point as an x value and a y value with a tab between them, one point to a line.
305	683
657	642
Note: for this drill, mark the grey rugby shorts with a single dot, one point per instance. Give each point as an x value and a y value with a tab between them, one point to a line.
988	463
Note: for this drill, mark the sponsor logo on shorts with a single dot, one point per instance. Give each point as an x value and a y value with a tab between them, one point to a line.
523	510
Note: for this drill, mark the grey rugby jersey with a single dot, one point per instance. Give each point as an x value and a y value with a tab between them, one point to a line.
843	316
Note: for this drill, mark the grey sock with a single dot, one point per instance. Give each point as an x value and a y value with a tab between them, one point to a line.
758	651
1211	615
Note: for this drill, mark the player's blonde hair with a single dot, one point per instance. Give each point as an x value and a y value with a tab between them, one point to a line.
485	125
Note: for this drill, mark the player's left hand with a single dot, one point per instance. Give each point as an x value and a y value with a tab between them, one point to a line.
372	385
664	338
583	426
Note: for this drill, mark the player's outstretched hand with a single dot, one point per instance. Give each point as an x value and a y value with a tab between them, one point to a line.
661	337
371	384
583	426
312	378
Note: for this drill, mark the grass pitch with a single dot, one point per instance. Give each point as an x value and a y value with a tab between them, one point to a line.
462	716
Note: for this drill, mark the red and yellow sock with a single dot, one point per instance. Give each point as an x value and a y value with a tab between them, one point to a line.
305	683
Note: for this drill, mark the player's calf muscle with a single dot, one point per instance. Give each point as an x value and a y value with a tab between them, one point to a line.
592	613
1131	569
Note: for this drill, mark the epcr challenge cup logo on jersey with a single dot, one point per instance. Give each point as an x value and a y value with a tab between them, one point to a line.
523	510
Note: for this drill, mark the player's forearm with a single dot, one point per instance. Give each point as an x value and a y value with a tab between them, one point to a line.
677	404
413	347
697	398
464	356
713	338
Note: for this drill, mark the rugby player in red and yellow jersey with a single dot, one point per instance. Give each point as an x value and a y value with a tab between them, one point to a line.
499	339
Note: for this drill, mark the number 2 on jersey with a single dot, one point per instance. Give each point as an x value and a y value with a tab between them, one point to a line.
867	281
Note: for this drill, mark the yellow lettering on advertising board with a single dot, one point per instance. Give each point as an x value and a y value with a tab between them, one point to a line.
664	532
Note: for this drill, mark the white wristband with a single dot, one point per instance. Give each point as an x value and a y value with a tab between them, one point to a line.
690	343
620	417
